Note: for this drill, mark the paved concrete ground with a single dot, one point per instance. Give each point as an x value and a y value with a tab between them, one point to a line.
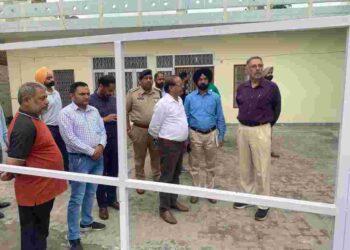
304	171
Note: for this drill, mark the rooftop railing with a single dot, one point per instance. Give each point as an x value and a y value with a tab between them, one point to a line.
22	16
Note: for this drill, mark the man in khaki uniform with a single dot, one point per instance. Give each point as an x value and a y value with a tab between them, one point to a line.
140	103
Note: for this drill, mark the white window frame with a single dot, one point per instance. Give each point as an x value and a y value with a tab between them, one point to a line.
340	209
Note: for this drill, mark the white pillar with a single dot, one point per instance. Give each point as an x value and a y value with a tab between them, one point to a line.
342	226
122	146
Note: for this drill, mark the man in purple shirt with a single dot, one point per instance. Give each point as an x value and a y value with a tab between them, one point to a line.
106	105
259	104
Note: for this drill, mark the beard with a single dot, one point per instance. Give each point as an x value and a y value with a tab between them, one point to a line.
203	86
49	84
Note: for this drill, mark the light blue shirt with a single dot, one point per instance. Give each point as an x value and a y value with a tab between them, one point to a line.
205	112
81	130
3	129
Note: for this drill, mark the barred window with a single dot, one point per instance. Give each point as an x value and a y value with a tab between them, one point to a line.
128	81
199	59
137	62
63	80
103	63
164	61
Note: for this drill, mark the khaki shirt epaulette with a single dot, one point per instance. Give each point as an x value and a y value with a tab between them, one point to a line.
140	105
133	89
155	88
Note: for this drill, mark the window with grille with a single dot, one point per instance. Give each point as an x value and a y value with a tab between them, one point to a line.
106	66
239	77
63	80
164	61
135	62
103	63
199	59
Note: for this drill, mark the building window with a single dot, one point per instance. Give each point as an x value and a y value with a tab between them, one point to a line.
198	59
106	66
103	63
169	64
239	76
135	62
165	61
63	79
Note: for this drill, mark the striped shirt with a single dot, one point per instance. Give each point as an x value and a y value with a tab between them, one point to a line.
81	130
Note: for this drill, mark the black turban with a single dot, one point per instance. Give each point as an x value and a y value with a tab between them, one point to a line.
205	71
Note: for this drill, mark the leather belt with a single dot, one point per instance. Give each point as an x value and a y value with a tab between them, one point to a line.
140	125
203	131
252	124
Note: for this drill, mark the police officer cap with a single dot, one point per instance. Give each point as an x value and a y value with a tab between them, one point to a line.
144	73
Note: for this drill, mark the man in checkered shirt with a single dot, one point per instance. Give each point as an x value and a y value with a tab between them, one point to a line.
83	131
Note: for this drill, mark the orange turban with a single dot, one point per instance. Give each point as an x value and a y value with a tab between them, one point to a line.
41	74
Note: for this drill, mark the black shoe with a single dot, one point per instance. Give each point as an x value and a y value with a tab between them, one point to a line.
4	204
238	205
261	214
75	245
96	226
1	215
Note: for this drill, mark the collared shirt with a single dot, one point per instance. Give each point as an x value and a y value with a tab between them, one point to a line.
140	104
50	117
106	106
81	130
3	129
205	112
31	142
259	105
169	120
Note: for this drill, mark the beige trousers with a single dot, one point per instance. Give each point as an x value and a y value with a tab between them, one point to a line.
141	142
254	146
203	147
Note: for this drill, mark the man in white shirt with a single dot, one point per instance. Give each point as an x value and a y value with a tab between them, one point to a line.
45	76
169	128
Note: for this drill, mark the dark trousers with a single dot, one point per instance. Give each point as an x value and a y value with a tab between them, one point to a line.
61	145
171	154
35	222
106	195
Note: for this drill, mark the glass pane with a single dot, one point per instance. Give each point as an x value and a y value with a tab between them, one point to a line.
220	226
10	237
